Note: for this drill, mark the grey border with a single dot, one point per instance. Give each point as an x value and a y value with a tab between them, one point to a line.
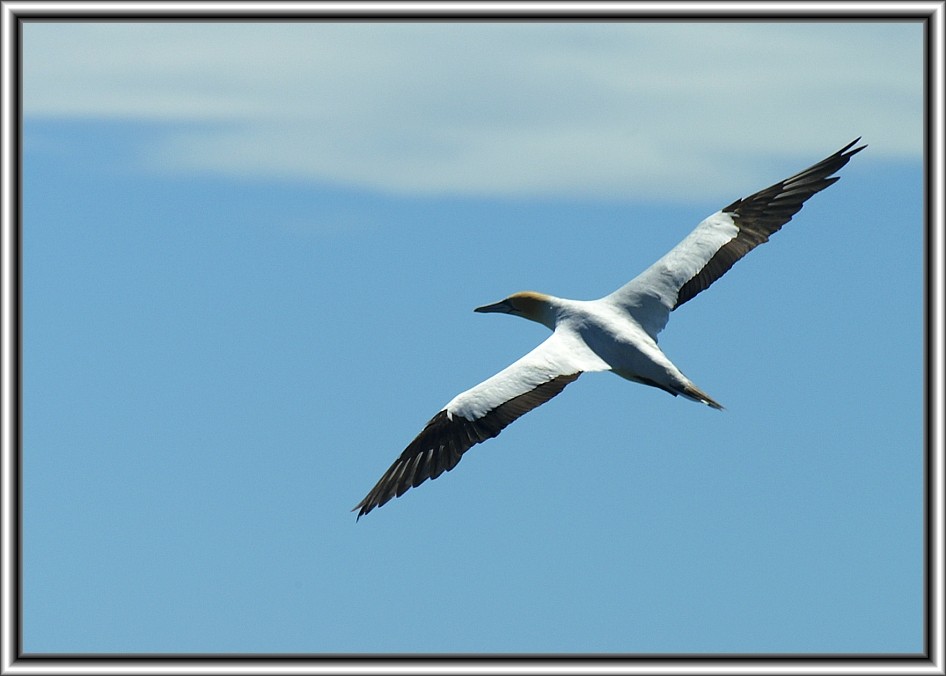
13	661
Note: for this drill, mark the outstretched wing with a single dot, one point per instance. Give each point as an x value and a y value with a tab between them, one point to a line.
482	412
719	241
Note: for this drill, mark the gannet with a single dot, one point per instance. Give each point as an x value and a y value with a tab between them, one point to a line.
616	333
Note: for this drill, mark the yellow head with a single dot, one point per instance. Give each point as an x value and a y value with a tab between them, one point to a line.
529	304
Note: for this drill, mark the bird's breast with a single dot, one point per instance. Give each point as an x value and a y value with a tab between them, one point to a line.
618	341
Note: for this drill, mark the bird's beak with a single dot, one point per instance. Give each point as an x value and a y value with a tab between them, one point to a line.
501	306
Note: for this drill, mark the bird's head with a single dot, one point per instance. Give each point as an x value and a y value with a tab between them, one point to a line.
529	304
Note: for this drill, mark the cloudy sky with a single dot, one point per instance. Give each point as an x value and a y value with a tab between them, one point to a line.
251	251
612	110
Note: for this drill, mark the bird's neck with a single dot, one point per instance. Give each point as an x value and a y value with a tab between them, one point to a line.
541	308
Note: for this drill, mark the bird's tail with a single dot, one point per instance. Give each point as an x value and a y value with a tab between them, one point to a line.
691	391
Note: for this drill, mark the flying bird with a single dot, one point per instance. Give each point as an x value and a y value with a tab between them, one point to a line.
616	333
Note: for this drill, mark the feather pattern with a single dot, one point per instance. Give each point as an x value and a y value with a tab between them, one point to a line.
720	240
446	437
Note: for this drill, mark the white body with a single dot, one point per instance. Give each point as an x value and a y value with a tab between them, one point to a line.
590	335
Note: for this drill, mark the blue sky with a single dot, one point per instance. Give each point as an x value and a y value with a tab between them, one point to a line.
251	254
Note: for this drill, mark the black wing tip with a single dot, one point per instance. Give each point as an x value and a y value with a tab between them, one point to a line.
832	162
377	496
849	145
830	165
393	484
360	506
447	437
846	152
763	213
374	499
823	170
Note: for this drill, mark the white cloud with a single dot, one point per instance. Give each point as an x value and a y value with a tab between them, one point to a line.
597	109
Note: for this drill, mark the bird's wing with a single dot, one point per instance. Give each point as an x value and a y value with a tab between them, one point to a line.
721	240
482	412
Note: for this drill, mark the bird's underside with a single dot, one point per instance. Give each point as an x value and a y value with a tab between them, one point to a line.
615	333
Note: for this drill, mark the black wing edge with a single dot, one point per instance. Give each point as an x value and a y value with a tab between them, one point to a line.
764	213
439	446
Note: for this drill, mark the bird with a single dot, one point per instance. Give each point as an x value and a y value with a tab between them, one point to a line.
616	333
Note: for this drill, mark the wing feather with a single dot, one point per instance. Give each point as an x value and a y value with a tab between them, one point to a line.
481	413
445	438
720	240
